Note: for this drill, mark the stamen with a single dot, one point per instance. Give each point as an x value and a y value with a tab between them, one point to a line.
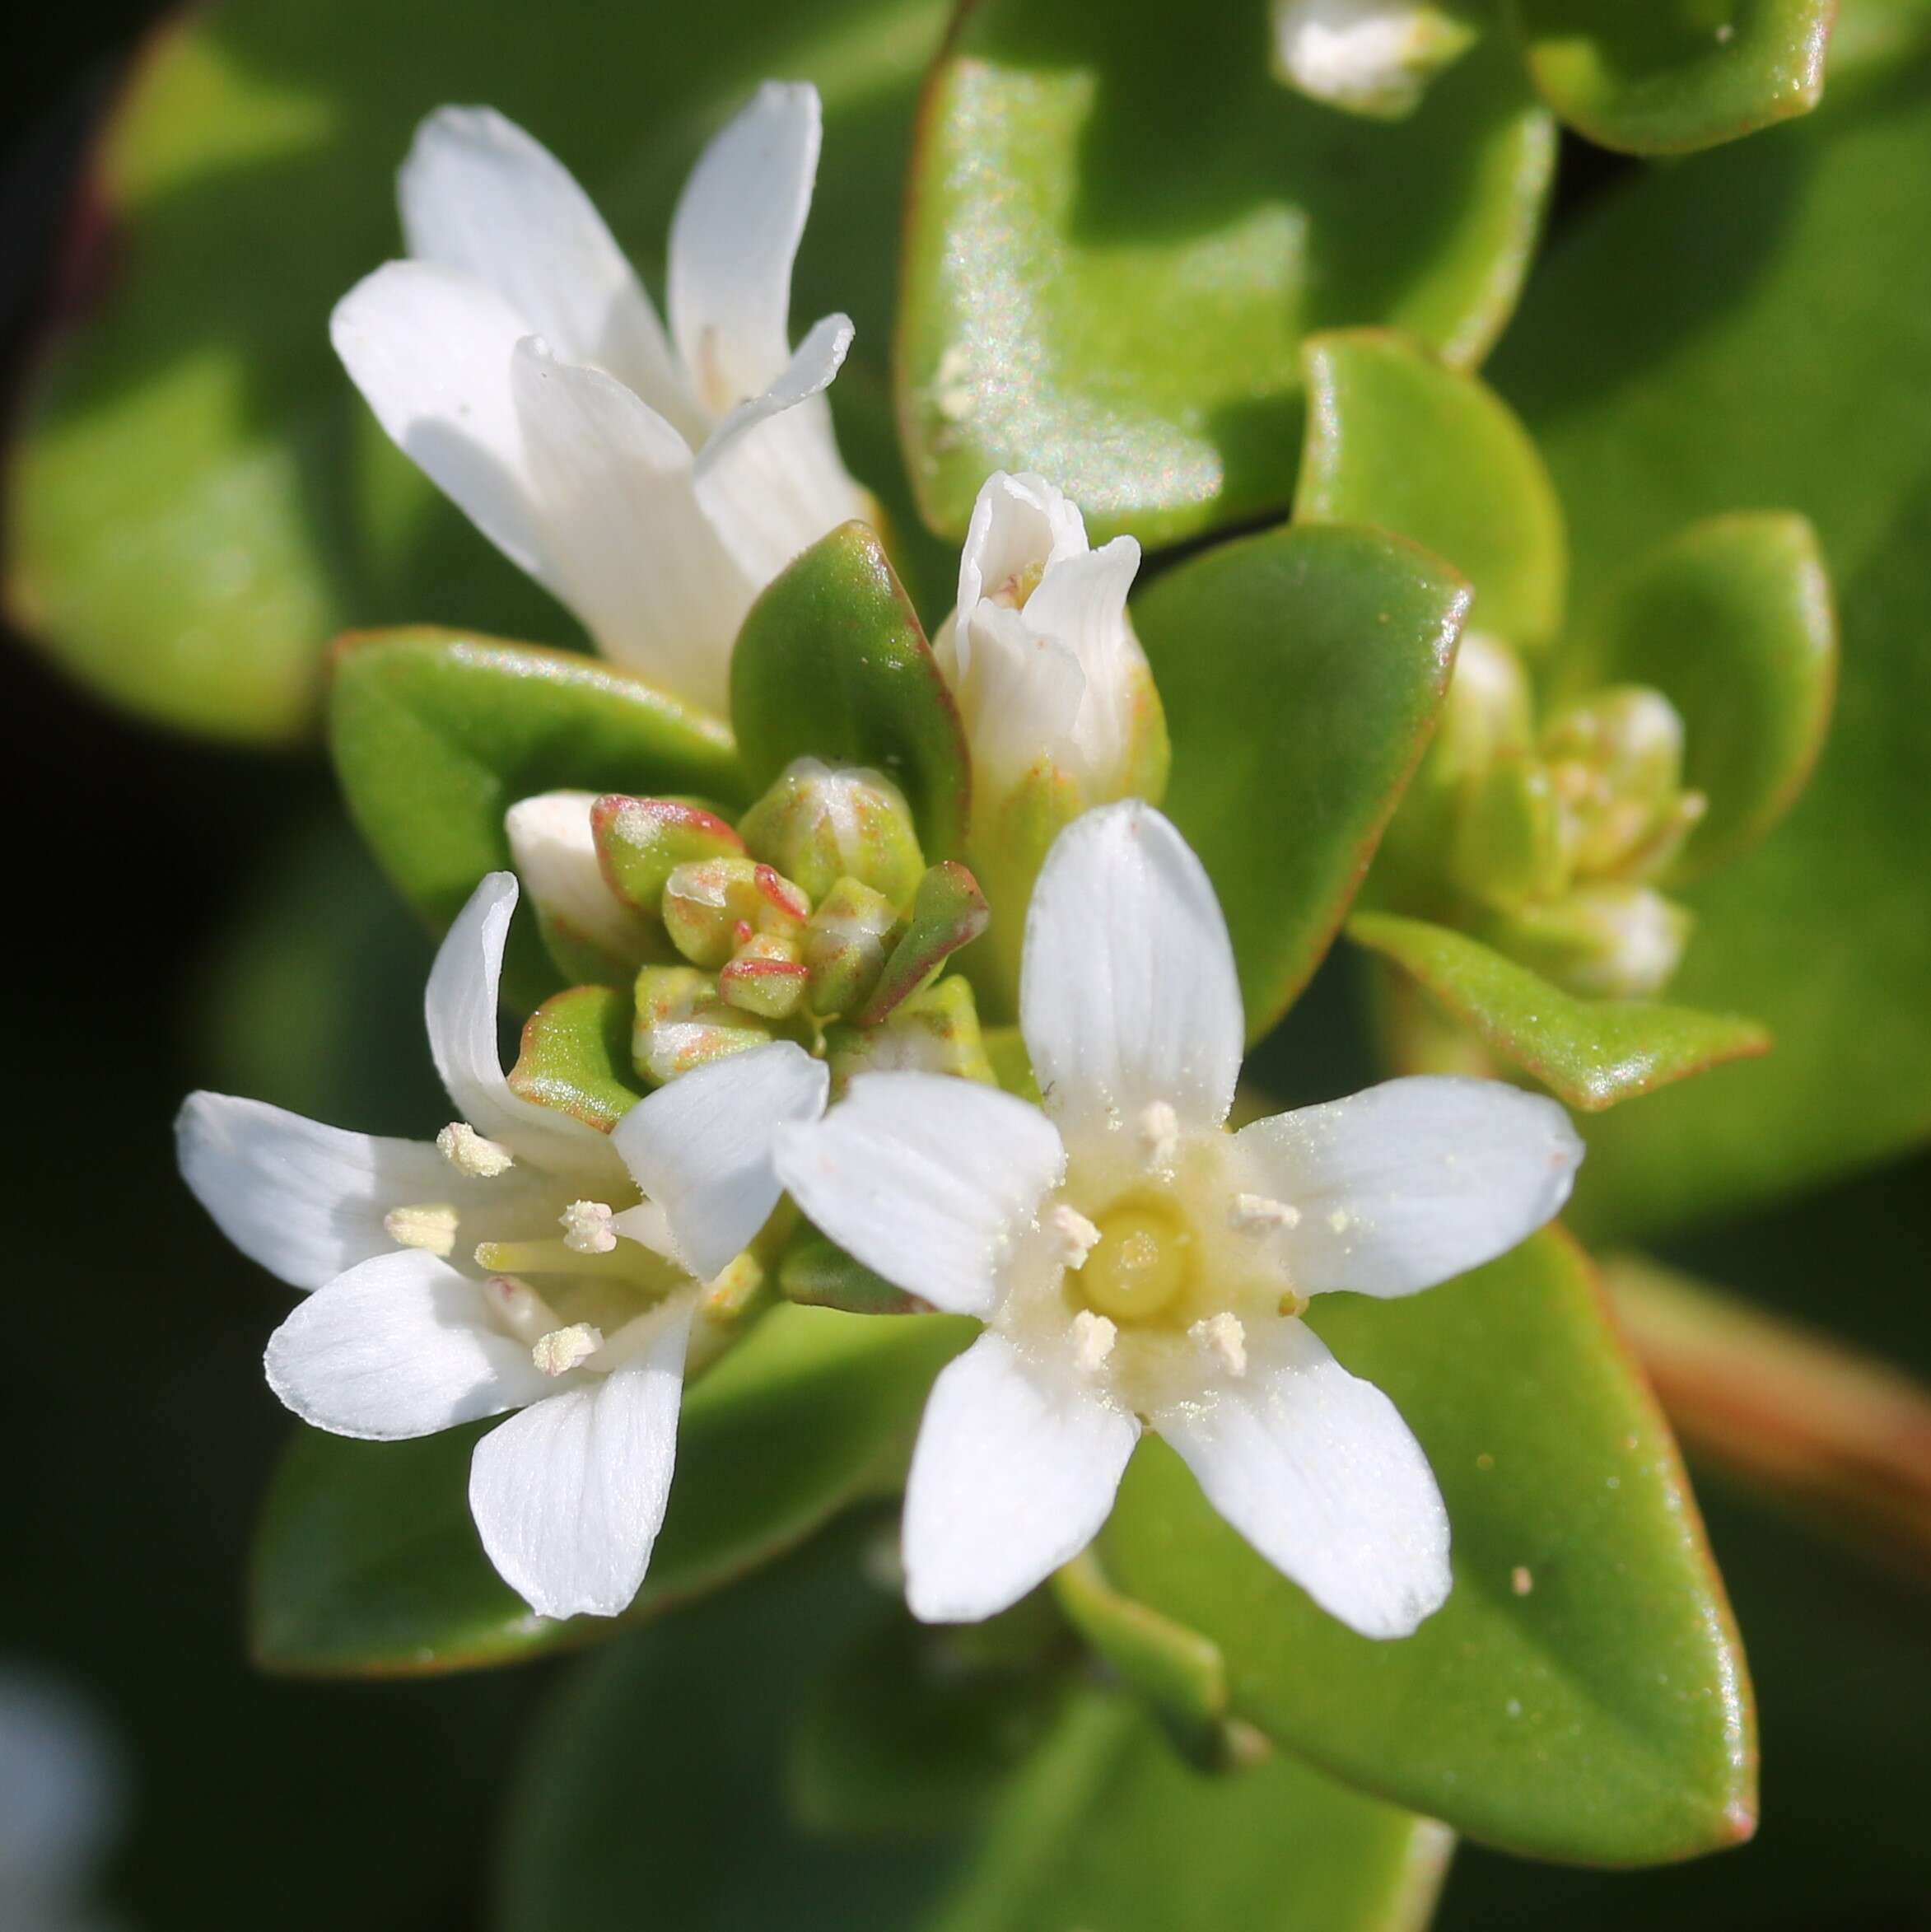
1094	1337
586	1228
469	1153
564	1349
1223	1335
624	1261
1073	1236
521	1308
1258	1213
1158	1131
430	1225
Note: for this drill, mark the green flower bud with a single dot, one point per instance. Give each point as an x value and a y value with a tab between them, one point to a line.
936	1031
1506	846
766	976
1600	941
682	1021
846	942
640	842
819	824
590	933
1616	762
712	907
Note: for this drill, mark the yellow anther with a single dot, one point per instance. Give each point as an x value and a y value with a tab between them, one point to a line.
586	1228
564	1349
1158	1130
1223	1336
1094	1337
430	1225
1073	1236
1258	1214
469	1153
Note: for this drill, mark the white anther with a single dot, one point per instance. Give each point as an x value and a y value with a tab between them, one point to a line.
1094	1337
586	1228
1258	1214
469	1153
1158	1131
430	1225
1073	1236
1223	1335
564	1349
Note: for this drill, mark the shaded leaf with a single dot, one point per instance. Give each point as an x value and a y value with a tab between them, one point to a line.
575	1055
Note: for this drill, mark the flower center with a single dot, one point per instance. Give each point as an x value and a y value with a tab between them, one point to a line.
1139	1265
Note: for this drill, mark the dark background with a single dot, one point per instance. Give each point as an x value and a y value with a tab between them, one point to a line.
152	883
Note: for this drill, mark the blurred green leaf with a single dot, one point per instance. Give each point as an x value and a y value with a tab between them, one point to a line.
1181	1672
1582	1694
366	1563
1807	383
1080	302
832	663
199	500
1666	76
1301	671
816	1272
1397	439
1589	1053
575	1055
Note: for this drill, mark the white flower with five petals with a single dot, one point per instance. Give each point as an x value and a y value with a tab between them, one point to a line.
1138	1266
654	483
524	1260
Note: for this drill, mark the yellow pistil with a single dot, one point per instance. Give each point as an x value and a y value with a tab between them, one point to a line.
1140	1264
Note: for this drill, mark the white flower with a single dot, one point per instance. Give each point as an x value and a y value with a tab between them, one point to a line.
1040	652
422	1254
1134	1264
1370	57
655	485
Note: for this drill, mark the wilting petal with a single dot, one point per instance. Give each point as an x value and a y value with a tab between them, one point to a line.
1012	1477
927	1179
1410	1182
399	1347
1317	1469
568	1496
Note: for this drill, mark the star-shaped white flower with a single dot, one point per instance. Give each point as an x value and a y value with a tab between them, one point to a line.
654	484
523	1260
1136	1265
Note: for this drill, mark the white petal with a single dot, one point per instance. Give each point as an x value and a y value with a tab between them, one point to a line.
1020	526
1317	1469
480	195
700	1148
556	858
569	1495
399	1347
430	349
633	552
1081	604
1012	1477
770	478
1411	1181
927	1179
305	1201
460	1008
732	243
1127	989
1021	695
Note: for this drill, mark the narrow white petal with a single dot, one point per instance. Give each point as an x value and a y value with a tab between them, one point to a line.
1413	1181
1317	1469
556	858
1127	989
568	1496
1081	606
1020	525
700	1148
1012	1477
732	243
480	195
1021	695
399	1347
633	552
430	349
460	1009
927	1179
304	1200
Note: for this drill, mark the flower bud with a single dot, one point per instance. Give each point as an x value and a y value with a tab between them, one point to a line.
712	907
766	976
847	940
936	1031
682	1021
1366	57
1600	941
1616	762
819	824
588	929
640	842
1507	846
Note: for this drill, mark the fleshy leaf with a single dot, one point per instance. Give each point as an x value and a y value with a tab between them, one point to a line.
1732	621
948	912
832	663
1301	671
366	1563
815	1272
1667	75
1077	304
1397	439
1589	1053
575	1055
1582	1694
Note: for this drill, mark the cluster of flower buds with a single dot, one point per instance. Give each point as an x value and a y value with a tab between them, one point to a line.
1552	838
814	918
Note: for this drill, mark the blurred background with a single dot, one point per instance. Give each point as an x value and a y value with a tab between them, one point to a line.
163	893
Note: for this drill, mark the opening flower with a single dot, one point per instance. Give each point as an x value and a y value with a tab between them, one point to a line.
1136	1265
523	1260
654	483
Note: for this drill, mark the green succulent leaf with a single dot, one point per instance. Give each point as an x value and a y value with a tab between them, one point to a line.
948	912
1301	671
1732	621
1671	75
575	1055
1821	234
366	1563
1589	1053
1582	1694
1077	304
1397	439
832	663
